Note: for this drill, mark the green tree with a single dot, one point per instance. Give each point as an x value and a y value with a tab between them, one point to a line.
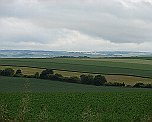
86	79
45	73
99	80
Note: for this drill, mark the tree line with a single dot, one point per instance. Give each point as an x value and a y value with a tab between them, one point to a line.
97	80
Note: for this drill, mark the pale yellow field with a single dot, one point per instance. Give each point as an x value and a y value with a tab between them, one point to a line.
25	70
130	80
67	74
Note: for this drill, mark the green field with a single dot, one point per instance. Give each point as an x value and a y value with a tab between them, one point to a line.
44	100
84	107
10	84
104	66
26	99
114	69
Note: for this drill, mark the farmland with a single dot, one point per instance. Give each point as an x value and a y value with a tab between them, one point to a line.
28	99
134	67
130	80
9	84
114	69
43	100
66	107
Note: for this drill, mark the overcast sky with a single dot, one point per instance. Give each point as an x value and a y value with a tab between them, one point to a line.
76	25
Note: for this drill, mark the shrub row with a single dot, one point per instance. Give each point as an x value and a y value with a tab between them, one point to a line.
83	79
48	74
142	85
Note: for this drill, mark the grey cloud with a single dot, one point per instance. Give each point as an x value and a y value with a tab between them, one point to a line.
119	21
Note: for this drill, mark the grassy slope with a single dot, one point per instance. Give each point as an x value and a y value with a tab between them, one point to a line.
9	84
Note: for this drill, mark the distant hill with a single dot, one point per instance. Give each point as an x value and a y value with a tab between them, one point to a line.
49	54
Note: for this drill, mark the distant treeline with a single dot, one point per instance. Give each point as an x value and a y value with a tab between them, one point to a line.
48	74
71	57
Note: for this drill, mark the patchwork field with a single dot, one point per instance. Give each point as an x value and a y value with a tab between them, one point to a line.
130	80
87	65
115	70
27	99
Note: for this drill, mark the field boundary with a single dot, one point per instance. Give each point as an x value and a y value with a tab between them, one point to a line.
24	66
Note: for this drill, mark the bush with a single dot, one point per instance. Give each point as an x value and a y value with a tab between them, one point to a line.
37	75
86	79
58	75
45	73
1	72
99	80
74	79
18	73
142	85
8	72
148	85
65	79
55	77
139	85
114	84
129	86
25	76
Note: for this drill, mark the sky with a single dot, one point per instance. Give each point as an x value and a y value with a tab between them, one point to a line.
76	25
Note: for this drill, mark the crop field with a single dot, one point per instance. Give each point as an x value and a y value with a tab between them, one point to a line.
114	69
87	107
25	70
24	99
104	66
27	99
